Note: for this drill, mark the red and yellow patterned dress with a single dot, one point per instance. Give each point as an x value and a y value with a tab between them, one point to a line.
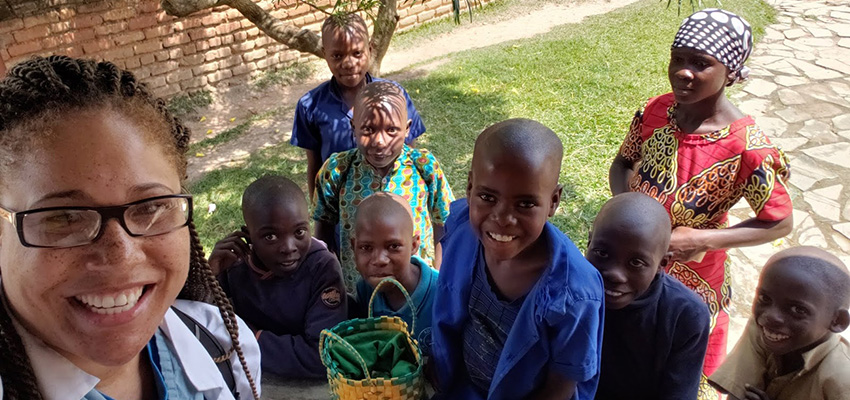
698	177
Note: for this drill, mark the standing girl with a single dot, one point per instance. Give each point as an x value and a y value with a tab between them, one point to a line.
697	154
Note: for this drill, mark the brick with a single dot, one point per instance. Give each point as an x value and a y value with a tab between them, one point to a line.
407	21
117	54
161	55
233	14
59	27
163	67
24	48
253	32
244	69
201	33
431	5
11	25
253	55
443	10
154	82
147	46
194	59
133	63
148	6
194	83
67	38
129	37
214	19
189	49
426	15
110	28
175	54
93	7
245	24
36	32
41	19
168	90
142	22
224	29
243	46
240	36
205	68
175	40
219	75
142	73
147	59
229	62
86	21
214	42
178	75
202	46
263	41
117	14
264	63
70	51
96	46
158	31
188	23
226	39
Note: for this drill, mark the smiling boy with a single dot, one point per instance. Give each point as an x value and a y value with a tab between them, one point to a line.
518	311
284	283
322	124
791	348
381	163
385	246
656	329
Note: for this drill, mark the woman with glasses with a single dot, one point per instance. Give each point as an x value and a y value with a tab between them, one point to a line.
97	244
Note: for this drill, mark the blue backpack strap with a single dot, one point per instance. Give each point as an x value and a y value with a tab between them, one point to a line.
220	356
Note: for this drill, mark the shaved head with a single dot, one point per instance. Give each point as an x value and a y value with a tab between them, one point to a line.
383	205
383	95
351	24
527	141
270	190
825	268
635	212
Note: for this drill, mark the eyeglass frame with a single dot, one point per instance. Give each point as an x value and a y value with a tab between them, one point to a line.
16	218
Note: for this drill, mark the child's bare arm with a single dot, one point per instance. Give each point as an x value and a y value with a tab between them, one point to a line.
314	163
619	174
556	387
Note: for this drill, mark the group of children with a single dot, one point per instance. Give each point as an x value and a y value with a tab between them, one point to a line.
516	311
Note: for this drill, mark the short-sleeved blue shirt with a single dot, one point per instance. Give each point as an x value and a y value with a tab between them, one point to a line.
323	121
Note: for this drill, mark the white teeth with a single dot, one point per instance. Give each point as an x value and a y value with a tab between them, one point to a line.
500	238
111	304
613	293
774	337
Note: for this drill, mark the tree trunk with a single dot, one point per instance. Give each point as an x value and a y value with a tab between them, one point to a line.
385	23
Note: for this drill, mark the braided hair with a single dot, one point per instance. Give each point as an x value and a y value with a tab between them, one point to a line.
41	90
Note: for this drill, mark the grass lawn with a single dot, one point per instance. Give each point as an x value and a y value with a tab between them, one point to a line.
584	81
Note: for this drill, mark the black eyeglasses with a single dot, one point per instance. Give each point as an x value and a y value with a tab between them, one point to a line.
60	227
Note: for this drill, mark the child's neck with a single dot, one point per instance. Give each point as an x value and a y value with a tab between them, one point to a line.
349	94
706	116
515	277
793	361
395	299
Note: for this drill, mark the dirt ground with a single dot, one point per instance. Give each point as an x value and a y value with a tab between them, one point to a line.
235	105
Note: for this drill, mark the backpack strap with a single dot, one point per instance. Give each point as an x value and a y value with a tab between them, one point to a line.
220	356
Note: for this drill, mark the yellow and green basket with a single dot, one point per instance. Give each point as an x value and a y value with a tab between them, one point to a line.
373	358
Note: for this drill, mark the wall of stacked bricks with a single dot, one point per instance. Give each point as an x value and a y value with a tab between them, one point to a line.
212	48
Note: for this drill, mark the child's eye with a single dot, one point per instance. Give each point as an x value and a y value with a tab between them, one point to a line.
527	204
365	247
301	232
600	253
801	311
358	53
637	263
486	197
395	246
271	237
762	299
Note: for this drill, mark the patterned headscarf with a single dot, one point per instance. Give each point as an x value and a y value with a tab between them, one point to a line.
720	33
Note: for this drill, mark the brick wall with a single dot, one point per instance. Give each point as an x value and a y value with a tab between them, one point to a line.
211	48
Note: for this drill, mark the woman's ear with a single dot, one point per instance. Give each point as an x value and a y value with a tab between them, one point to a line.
841	321
731	77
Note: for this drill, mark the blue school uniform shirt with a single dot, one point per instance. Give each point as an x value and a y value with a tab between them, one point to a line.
323	121
559	325
653	348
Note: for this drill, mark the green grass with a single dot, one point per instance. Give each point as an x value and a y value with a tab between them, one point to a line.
186	104
294	73
584	81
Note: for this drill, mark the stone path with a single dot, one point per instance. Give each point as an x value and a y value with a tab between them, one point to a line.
799	93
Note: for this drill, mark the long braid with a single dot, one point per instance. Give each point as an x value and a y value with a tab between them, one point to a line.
202	270
42	89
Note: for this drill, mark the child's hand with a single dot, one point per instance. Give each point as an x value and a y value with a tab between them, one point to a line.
228	251
686	244
754	393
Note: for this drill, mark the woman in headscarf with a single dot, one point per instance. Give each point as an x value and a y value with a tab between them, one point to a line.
697	154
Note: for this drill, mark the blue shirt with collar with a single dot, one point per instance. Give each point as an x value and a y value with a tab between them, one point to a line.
323	120
423	302
558	328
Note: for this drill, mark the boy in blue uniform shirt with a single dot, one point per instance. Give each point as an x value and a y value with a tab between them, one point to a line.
322	124
385	246
656	328
285	284
518	311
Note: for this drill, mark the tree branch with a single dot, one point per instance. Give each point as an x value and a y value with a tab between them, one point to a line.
385	24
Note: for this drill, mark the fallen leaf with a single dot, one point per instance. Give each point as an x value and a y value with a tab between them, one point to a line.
202	119
209	131
475	90
199	154
233	119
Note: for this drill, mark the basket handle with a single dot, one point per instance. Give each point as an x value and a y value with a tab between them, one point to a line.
328	335
406	297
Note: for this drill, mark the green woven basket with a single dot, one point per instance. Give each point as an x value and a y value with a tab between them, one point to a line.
373	358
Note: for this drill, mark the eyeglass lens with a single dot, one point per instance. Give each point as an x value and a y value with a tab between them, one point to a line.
66	228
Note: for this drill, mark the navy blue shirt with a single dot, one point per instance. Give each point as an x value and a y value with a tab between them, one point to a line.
323	120
290	311
653	348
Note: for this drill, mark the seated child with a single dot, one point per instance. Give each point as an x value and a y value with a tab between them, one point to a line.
381	163
791	349
518	310
385	246
284	283
322	123
656	328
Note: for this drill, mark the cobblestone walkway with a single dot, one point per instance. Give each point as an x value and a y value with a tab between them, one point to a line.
799	93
